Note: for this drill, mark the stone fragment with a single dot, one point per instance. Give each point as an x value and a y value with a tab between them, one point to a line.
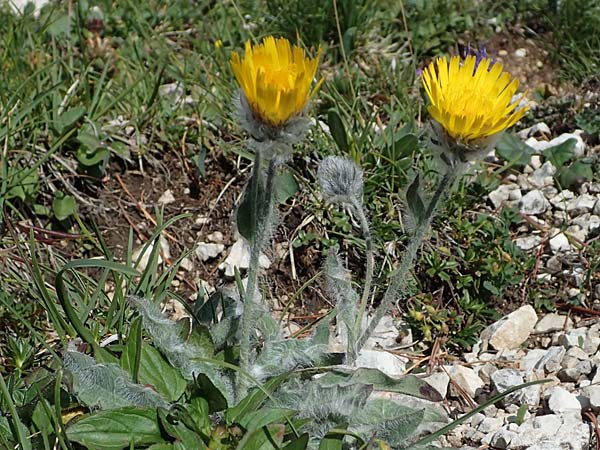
512	330
533	203
544	176
527	243
239	256
561	200
575	373
553	322
581	205
439	381
592	393
538	129
208	250
490	424
502	194
560	243
504	379
503	438
587	340
578	150
166	198
562	401
466	378
390	364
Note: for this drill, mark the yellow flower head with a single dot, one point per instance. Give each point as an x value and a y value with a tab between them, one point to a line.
473	99
275	78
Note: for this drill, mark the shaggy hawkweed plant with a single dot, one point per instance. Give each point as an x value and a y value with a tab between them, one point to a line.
275	79
188	388
471	102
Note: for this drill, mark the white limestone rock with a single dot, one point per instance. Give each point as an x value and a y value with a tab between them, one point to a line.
512	330
553	322
239	256
466	378
533	203
527	243
561	401
208	250
581	205
560	243
561	200
390	364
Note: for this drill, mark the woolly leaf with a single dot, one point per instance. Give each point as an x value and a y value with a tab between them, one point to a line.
278	357
327	407
189	357
408	384
117	429
107	386
388	420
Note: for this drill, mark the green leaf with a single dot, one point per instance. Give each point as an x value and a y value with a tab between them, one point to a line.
117	429
199	161
265	416
576	173
298	444
331	442
285	186
27	188
337	129
132	353
60	26
414	201
253	401
68	118
155	370
561	153
198	411
89	158
207	389
63	206
177	429
513	150
405	145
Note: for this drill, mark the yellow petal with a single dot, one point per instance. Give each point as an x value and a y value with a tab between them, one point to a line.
470	99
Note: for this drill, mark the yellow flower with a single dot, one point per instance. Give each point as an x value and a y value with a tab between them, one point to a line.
275	78
472	100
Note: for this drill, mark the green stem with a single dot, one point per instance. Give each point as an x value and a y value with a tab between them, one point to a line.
398	284
262	224
364	223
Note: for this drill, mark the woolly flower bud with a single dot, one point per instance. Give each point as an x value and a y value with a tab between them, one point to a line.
340	180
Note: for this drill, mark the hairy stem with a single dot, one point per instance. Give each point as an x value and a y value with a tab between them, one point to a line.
263	218
364	223
399	278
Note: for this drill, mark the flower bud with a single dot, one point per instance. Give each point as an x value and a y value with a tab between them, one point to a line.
341	180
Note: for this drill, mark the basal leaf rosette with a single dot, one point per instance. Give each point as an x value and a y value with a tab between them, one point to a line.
472	100
276	79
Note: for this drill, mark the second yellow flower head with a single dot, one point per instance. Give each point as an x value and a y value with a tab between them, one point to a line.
276	79
472	99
